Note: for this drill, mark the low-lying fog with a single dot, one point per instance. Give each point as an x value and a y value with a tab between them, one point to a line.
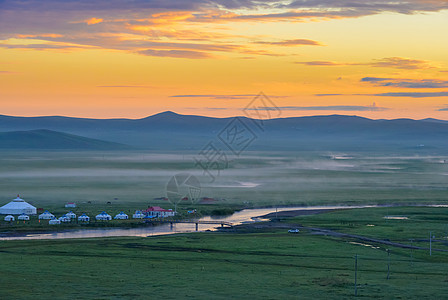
256	178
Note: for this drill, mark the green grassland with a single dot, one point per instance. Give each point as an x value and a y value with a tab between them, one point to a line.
373	224
133	179
264	264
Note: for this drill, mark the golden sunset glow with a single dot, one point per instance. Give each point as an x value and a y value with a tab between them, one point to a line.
119	59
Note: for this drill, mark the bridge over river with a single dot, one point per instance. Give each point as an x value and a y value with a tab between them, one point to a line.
196	222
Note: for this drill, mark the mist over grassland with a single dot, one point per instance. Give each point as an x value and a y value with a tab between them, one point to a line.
250	180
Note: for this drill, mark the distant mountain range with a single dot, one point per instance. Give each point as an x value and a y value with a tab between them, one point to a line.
43	139
171	131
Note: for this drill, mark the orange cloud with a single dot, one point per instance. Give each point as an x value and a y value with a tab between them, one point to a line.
93	21
37	36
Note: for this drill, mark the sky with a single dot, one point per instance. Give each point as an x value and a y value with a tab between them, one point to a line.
134	58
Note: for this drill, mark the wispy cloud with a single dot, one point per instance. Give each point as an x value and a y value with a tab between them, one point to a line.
320	63
176	53
223	97
125	86
399	94
407	83
401	63
387	62
43	46
326	108
210	108
413	95
294	42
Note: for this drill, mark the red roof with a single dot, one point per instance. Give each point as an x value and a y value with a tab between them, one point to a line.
156	208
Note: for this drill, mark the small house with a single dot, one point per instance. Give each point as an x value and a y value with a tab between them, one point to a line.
158	212
70	205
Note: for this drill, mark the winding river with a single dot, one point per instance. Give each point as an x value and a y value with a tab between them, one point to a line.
243	216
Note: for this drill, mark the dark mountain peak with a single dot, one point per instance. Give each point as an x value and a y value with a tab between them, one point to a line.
165	114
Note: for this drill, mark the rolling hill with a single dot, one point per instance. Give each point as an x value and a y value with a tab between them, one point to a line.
171	131
44	139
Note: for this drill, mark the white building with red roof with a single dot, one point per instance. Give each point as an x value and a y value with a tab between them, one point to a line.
158	212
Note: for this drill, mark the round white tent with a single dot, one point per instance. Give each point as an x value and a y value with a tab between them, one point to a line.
54	222
83	218
46	216
71	215
9	218
64	219
18	206
23	217
138	215
103	216
121	216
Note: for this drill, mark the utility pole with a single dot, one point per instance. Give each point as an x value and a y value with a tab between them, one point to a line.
430	243
356	275
388	264
411	251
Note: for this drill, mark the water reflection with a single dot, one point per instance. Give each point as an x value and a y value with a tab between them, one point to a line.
244	216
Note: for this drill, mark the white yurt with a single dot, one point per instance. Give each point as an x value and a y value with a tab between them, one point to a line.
23	217
9	218
64	219
71	215
46	215
103	216
54	222
121	216
83	218
138	215
18	206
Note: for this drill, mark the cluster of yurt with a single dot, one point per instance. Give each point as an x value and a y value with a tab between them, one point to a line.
23	210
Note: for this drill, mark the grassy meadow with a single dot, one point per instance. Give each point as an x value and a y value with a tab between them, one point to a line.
264	264
131	180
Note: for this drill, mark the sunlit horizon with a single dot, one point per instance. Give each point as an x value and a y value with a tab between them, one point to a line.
134	59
